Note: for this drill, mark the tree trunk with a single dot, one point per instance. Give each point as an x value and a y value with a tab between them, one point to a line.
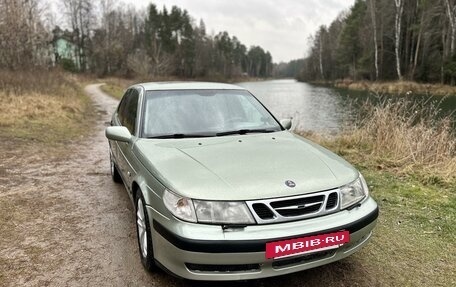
354	68
451	18
374	28
452	21
418	44
407	48
399	10
444	44
321	58
382	44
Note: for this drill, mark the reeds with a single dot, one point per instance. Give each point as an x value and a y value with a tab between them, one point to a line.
401	135
411	135
398	87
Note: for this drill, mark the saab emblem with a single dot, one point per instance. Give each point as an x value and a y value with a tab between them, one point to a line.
290	183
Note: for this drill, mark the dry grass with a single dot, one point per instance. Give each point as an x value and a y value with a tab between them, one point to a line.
398	87
403	136
44	106
116	86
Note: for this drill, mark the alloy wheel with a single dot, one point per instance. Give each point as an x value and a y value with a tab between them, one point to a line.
141	223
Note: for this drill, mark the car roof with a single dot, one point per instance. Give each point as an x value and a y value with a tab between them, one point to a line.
163	86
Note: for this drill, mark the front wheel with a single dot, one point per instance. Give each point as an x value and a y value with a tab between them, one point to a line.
146	251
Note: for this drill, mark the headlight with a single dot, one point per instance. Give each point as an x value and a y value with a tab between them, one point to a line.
211	212
223	212
353	193
181	207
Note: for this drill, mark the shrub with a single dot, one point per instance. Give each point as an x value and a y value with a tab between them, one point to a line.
68	65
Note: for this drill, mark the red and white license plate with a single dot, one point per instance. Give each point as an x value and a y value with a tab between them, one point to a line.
301	245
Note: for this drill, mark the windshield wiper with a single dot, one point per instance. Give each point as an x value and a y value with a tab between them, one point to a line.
245	131
180	136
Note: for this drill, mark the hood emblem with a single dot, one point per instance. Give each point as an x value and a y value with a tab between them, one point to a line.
290	183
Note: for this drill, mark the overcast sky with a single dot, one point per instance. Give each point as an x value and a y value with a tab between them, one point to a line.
281	27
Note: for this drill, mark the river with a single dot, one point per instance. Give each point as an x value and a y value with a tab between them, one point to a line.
324	109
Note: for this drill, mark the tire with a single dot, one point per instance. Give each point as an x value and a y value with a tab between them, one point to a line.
144	235
115	175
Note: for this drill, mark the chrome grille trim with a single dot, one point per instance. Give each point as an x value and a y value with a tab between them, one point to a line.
281	218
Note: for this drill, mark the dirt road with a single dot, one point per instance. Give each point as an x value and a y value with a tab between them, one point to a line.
65	223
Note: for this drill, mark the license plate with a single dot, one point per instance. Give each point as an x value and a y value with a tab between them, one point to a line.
307	244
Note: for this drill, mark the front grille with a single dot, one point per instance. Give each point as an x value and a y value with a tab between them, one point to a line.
332	201
222	268
298	206
294	207
302	259
263	211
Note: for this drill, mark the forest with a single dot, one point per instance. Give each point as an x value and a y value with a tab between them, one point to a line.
376	40
111	38
385	40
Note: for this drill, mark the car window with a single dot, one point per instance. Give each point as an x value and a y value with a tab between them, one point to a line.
121	109
131	107
203	111
127	110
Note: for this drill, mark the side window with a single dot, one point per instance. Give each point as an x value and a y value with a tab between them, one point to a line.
121	109
130	110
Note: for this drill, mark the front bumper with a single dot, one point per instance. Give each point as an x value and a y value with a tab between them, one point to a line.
207	252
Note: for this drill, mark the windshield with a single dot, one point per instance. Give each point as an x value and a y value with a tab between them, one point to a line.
204	113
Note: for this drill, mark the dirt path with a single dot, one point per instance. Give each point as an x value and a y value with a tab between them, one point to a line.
65	223
69	224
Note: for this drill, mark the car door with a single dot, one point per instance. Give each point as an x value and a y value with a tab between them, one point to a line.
116	121
128	118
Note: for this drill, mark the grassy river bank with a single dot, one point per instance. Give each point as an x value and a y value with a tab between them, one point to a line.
393	87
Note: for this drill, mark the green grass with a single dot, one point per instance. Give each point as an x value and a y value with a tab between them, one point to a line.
414	243
427	209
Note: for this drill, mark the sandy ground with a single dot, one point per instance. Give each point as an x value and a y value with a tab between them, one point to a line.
65	223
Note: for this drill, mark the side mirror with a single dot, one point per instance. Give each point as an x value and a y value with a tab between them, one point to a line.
118	133
286	123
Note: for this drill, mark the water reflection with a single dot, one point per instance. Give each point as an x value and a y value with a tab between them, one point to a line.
312	108
323	109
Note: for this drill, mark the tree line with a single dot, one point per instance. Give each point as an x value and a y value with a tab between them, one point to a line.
110	38
386	40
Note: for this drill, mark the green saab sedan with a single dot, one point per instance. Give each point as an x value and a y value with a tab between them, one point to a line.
224	191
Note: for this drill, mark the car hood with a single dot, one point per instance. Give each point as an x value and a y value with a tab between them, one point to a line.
244	167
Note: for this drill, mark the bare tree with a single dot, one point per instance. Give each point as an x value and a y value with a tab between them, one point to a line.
23	38
423	7
106	11
374	29
320	58
397	28
140	63
452	20
80	17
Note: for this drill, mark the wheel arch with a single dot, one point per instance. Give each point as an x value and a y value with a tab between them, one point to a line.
134	189
139	184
